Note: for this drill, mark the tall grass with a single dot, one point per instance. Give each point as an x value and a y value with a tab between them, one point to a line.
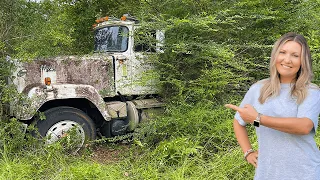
202	146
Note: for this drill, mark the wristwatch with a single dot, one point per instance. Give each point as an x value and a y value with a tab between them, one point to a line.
256	122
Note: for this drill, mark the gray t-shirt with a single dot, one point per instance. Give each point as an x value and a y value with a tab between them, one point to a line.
284	156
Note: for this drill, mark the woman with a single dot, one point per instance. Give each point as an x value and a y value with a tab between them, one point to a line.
284	109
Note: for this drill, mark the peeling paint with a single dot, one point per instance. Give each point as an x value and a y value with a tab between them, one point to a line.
96	71
37	96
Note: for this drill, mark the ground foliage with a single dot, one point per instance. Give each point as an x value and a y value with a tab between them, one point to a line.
213	52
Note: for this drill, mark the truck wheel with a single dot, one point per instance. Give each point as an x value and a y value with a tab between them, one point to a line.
71	126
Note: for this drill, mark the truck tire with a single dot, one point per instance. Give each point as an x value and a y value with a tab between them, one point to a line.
68	122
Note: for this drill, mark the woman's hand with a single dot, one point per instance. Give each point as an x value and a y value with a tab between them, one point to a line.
252	158
247	113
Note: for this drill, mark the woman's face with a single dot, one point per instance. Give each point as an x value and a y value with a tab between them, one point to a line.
288	61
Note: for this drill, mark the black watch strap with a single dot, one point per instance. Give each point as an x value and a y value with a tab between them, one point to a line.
256	122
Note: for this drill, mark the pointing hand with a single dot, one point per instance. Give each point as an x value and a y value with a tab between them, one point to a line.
247	113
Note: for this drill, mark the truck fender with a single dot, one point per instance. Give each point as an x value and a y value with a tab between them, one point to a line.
40	94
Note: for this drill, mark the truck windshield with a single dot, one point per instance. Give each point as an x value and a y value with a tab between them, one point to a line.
111	39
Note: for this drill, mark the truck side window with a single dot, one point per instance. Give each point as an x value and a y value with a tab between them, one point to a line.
145	41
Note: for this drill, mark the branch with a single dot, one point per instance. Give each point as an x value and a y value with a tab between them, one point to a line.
152	6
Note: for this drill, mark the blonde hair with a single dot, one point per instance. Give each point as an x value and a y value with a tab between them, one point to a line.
271	86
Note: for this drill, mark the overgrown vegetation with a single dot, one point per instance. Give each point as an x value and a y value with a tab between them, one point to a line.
213	51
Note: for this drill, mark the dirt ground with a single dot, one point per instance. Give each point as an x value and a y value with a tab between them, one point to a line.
108	153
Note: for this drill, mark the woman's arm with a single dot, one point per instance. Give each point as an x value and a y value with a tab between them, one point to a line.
300	126
292	125
244	142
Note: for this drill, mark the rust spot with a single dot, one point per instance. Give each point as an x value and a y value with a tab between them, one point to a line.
91	95
85	92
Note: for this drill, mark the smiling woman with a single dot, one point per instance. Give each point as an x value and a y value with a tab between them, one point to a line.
284	109
288	61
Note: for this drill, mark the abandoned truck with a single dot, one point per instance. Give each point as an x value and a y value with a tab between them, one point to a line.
93	94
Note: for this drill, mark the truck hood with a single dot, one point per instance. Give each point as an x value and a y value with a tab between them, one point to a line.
96	70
